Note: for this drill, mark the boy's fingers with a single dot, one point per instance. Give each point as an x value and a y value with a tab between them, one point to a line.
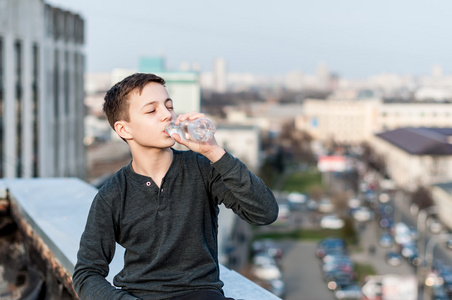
189	116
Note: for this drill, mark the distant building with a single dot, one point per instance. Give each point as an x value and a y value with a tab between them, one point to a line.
219	76
269	117
41	90
355	121
416	156
241	141
442	198
349	122
183	87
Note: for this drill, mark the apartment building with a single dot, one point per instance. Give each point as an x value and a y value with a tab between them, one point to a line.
349	122
356	121
41	90
242	141
416	156
442	198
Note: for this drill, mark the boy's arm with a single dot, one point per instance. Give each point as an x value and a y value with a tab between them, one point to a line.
243	192
97	248
234	185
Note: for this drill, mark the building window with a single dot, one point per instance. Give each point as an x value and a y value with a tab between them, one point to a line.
35	103
78	114
66	84
56	110
19	108
67	109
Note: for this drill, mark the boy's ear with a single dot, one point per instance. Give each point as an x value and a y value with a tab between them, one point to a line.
122	131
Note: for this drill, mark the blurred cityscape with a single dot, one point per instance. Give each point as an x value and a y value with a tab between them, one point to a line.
361	168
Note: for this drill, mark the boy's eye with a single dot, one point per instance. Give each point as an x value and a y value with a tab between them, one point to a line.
151	111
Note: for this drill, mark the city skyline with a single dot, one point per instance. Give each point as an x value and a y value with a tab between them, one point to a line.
353	39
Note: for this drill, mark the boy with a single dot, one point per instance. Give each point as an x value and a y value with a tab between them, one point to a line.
163	206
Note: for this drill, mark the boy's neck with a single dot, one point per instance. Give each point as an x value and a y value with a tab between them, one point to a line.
153	163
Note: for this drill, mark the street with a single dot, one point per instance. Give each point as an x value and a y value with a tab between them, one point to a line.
301	268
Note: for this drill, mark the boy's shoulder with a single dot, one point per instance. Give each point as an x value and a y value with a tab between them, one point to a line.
114	182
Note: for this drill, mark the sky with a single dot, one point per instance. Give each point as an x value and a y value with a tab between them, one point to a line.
354	38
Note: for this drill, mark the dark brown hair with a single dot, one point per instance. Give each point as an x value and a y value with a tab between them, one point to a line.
116	101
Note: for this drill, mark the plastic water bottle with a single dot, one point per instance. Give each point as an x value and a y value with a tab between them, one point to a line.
199	130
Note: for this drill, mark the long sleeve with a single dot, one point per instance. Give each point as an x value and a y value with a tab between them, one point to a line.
243	192
97	248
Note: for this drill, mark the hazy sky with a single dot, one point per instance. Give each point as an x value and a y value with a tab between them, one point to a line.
354	38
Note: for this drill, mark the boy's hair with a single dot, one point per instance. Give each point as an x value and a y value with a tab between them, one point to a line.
116	101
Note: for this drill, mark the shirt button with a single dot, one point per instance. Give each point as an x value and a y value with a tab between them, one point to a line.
161	190
148	183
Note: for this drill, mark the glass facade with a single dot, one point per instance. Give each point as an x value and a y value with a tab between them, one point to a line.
41	94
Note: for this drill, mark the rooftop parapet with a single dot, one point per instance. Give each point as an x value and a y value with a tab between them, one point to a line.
53	212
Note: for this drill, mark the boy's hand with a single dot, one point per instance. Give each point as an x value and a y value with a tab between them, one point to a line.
210	149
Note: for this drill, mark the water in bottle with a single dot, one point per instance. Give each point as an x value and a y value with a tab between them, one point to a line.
199	130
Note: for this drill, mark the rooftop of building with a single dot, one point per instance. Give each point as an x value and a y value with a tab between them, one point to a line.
420	141
56	209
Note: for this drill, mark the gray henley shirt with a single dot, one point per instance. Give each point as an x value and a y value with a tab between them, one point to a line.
169	233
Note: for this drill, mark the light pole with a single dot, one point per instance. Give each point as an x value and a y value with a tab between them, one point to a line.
421	221
398	199
428	255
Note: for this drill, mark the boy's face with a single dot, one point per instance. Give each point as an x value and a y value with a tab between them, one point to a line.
149	113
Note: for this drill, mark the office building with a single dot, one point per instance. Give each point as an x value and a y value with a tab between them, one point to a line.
41	90
415	156
356	121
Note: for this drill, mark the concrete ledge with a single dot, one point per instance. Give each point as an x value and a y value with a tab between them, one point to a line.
56	209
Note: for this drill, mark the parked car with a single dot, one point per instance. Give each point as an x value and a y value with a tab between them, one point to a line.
339	262
449	244
330	245
350	292
447	277
331	222
268	247
284	212
312	205
296	200
338	280
265	267
362	214
325	206
439	293
277	287
387	222
409	251
402	234
386	240
393	258
354	203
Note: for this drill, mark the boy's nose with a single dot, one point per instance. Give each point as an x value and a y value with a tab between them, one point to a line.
166	115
